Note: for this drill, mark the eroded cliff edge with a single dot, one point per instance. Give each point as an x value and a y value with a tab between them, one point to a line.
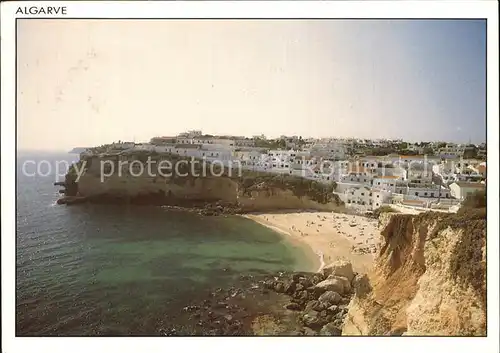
249	192
429	277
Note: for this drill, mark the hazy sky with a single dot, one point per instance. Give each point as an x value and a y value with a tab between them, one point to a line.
82	83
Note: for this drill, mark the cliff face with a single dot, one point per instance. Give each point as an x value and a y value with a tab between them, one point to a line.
207	189
181	191
429	278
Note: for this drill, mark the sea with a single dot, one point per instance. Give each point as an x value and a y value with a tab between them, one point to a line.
87	270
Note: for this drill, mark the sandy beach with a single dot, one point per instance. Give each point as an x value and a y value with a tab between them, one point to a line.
331	236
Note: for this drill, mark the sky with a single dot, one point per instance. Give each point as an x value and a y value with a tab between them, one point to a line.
82	83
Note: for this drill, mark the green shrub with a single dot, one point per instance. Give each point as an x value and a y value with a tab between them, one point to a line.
383	209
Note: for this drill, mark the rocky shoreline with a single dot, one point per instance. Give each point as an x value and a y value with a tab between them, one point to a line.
204	208
287	304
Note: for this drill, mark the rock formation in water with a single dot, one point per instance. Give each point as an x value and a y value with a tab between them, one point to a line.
227	193
429	277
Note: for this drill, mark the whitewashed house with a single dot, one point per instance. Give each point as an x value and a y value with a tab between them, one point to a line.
387	183
461	190
360	198
429	191
366	198
143	147
188	150
380	197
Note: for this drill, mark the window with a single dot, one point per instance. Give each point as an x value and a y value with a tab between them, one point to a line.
377	204
378	196
362	194
432	194
416	194
370	194
348	201
425	194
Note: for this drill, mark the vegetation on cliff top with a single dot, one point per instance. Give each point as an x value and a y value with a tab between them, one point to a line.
300	187
383	209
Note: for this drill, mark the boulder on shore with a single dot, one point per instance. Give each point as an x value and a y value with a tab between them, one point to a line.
346	283
293	306
332	284
330	330
339	268
330	298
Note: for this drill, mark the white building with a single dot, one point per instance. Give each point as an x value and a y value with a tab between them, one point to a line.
366	198
419	174
432	191
245	142
380	197
229	143
188	150
143	147
360	177
122	145
452	150
461	190
361	198
391	183
282	158
249	159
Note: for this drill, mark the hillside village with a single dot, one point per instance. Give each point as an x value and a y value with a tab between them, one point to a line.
366	174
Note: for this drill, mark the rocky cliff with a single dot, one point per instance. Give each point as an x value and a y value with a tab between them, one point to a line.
251	192
429	278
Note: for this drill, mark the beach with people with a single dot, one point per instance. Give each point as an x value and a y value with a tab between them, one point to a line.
331	236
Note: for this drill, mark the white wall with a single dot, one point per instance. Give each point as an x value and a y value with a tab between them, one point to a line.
359	198
379	198
429	192
356	178
383	183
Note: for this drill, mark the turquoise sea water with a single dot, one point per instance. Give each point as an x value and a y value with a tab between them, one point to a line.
126	270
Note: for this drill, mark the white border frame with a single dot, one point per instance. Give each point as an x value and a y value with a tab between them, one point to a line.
245	9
